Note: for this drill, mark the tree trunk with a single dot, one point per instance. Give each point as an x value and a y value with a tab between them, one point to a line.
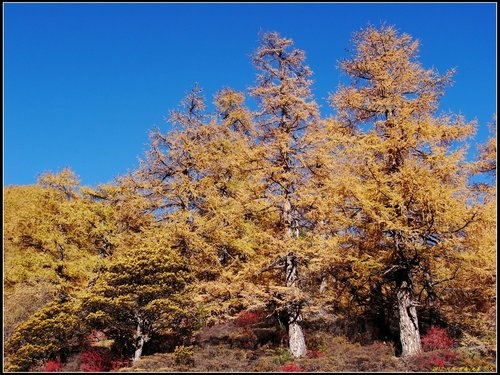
296	341
290	224
141	338
323	285
408	322
138	350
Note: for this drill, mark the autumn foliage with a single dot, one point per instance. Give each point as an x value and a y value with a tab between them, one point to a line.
268	228
52	366
291	367
436	338
247	318
95	361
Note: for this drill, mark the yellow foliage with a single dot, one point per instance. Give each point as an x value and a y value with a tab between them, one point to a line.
378	193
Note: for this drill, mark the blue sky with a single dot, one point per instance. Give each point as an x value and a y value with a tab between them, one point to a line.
84	83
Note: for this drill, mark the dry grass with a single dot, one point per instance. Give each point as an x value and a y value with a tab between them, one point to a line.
333	354
336	354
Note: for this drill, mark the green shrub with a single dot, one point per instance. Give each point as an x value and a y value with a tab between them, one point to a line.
184	355
283	356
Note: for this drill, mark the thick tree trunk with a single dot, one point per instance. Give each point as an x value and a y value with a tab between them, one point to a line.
296	341
138	350
408	322
141	339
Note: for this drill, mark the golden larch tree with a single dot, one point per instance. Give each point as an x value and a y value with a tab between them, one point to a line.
408	189
286	111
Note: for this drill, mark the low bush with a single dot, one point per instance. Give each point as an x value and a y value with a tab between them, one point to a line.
283	355
95	361
247	318
184	355
437	360
436	338
291	367
52	366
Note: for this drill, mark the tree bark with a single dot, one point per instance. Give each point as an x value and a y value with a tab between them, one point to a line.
408	321
296	341
291	229
141	338
323	285
138	350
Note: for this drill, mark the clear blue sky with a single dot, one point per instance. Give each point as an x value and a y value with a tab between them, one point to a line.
84	83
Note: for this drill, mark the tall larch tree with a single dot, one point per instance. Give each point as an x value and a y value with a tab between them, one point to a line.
171	175
408	188
286	110
198	178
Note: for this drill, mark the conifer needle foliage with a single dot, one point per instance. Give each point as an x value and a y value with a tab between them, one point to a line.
373	214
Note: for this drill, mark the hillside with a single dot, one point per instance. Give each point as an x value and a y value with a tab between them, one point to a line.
229	348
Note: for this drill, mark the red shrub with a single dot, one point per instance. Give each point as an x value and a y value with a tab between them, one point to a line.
428	361
437	361
95	361
434	360
52	366
247	318
436	338
291	367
